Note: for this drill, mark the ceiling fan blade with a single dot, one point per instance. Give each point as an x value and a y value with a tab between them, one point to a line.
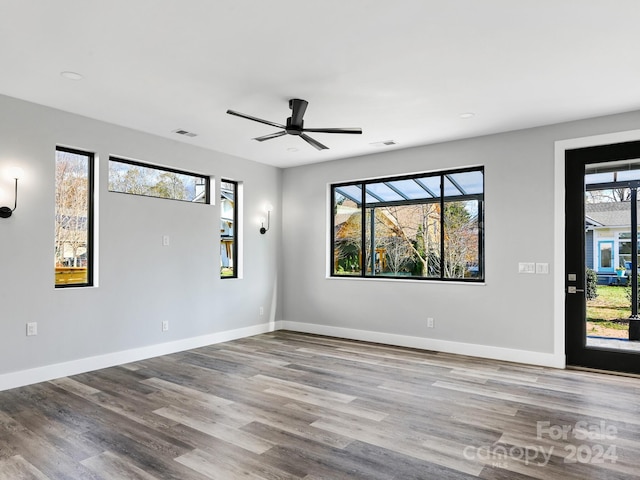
270	136
255	119
333	130
298	107
313	142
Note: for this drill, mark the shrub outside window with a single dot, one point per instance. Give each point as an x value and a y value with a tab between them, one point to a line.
135	178
423	226
73	257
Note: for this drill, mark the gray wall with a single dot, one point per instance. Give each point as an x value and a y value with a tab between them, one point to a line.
510	311
141	282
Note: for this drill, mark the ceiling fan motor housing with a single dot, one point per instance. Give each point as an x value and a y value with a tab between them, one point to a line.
294	129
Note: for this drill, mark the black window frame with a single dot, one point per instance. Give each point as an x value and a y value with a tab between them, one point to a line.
207	179
90	216
235	227
441	199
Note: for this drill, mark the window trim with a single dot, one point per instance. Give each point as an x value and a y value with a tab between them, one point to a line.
441	199
235	226
90	217
207	179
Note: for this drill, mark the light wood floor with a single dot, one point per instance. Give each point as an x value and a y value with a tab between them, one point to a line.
294	406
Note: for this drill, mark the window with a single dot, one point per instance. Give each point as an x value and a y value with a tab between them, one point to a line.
624	250
424	226
136	178
73	218
228	229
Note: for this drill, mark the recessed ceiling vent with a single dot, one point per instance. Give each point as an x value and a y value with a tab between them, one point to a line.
386	143
180	131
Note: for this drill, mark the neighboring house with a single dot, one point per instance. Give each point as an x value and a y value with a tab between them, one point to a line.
226	229
394	227
608	237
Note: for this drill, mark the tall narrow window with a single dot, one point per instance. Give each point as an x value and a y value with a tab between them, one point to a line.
424	226
73	218
228	229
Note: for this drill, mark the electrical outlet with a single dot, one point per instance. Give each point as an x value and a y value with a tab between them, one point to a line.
32	329
430	323
165	240
261	311
165	325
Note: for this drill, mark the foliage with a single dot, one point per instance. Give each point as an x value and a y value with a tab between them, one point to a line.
629	293
419	227
146	181
348	238
591	285
621	194
460	240
407	239
71	209
398	253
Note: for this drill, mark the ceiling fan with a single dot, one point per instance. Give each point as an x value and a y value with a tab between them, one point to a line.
295	125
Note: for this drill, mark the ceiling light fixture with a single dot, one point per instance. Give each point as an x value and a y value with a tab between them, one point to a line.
71	75
467	115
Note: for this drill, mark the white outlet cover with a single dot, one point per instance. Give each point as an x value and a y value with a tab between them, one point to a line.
32	329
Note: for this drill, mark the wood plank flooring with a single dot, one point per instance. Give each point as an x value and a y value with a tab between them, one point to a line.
292	406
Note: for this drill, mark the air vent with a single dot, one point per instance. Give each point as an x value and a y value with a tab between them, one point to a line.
185	133
386	143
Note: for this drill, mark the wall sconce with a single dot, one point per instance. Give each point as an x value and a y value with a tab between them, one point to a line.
267	208
5	212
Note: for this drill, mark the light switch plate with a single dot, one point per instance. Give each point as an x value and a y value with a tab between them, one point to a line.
542	268
526	267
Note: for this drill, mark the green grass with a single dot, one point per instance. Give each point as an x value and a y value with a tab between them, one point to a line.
226	272
610	305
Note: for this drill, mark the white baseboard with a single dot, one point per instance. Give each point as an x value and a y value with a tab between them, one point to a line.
74	367
473	350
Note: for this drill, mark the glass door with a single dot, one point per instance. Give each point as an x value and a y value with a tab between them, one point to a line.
601	246
605	256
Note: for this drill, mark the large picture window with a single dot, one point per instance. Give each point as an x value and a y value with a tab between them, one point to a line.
126	176
228	229
424	226
73	257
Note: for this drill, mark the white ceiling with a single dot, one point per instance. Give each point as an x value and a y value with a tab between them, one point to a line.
402	70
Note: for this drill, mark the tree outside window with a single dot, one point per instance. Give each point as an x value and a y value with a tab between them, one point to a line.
73	218
420	226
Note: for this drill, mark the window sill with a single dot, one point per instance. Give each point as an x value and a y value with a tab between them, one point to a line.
407	280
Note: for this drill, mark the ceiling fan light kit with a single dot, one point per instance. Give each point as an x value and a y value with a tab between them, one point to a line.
295	125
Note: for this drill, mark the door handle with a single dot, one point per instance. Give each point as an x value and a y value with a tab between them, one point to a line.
575	290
